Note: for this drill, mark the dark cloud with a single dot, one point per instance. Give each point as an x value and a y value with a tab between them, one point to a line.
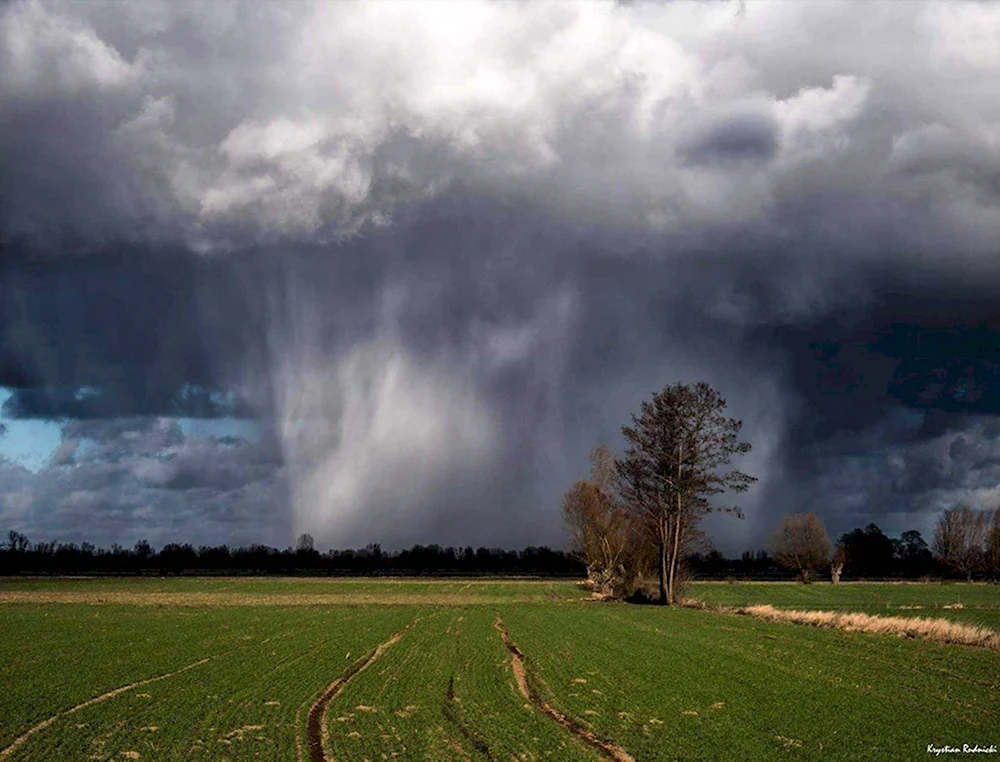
439	257
739	138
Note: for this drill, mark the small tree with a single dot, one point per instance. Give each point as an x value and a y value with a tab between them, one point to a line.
837	563
675	448
17	542
801	543
602	532
143	551
960	539
305	544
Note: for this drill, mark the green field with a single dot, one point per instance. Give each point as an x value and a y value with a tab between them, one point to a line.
234	669
974	604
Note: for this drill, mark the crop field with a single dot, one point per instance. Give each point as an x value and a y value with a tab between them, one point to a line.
317	669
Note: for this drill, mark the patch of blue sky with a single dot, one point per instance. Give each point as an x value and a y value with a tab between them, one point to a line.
32	442
29	442
240	428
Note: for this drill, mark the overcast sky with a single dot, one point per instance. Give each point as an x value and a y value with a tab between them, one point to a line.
385	272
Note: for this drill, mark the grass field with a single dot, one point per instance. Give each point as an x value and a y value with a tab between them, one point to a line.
315	669
974	604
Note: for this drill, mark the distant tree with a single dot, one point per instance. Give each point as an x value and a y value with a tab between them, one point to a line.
960	538
17	542
837	563
305	543
868	552
674	449
913	556
143	550
801	543
993	546
175	558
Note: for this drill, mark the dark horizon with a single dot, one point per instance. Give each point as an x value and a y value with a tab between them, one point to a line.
910	541
865	553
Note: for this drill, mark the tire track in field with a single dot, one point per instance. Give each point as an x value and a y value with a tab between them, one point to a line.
449	712
22	739
450	700
610	750
316	733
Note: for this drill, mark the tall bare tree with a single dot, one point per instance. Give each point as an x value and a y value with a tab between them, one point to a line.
960	539
675	448
801	543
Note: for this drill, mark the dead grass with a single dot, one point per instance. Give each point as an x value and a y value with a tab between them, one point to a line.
937	630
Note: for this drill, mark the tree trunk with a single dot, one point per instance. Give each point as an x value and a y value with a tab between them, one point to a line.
677	533
663	563
673	560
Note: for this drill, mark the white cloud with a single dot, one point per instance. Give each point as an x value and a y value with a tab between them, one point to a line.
299	132
47	53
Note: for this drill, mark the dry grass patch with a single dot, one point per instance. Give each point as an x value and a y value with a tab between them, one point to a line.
937	630
789	742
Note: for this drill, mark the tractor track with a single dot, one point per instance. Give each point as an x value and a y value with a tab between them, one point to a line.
316	733
448	709
608	749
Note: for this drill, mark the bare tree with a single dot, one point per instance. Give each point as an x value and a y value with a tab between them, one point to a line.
837	563
670	469
993	546
305	543
602	471
960	539
17	542
602	532
800	542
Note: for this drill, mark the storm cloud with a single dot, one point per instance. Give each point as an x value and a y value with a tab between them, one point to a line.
435	252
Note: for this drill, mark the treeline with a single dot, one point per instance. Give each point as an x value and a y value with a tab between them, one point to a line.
867	554
21	556
966	544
